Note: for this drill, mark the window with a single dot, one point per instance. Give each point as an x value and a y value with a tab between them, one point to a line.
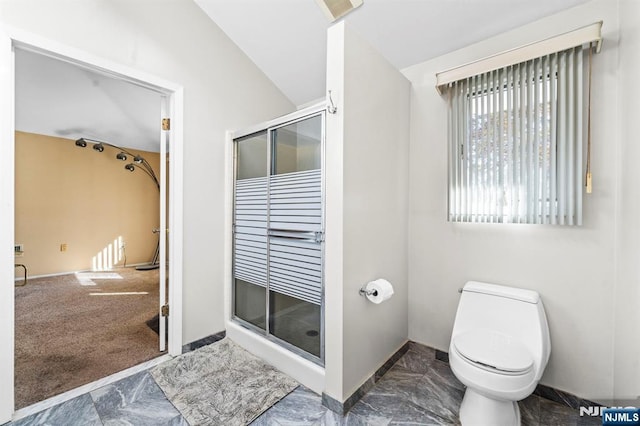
515	143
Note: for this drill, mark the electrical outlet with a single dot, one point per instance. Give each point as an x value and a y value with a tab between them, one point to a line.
63	247
18	250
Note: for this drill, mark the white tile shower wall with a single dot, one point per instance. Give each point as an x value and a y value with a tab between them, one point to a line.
574	269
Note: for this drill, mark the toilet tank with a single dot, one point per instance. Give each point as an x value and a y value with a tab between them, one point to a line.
513	311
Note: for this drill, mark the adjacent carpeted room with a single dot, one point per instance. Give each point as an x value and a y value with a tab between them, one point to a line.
74	329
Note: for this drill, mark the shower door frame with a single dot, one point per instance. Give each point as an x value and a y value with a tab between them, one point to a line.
269	127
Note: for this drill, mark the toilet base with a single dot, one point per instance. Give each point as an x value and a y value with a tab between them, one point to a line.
477	409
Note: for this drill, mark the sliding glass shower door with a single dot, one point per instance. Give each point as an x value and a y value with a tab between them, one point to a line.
250	229
278	234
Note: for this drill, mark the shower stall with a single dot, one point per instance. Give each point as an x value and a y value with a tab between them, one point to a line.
278	232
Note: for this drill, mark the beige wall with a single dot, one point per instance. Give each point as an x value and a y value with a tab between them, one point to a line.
573	268
82	198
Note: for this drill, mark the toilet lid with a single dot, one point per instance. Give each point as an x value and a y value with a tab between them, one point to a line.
495	350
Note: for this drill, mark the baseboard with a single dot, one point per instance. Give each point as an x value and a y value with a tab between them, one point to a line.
203	342
563	398
58	274
441	355
543	391
343	407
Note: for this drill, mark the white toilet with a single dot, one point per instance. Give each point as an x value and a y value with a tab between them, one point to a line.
499	348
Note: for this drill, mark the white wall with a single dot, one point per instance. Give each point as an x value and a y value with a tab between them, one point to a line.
627	314
223	89
7	190
572	268
367	184
334	220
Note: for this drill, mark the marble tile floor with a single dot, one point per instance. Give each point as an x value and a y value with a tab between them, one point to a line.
135	400
417	390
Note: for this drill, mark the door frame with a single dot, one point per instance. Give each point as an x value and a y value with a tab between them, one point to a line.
9	39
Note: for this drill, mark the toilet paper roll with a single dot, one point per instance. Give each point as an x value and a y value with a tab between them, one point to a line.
379	290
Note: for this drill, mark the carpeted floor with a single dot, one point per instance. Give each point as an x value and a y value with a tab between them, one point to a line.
73	329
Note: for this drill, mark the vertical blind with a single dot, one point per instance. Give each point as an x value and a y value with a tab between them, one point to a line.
515	143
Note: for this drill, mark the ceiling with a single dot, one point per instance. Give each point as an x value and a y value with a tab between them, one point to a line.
56	98
286	39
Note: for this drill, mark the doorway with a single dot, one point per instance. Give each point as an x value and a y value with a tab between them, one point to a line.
170	139
87	152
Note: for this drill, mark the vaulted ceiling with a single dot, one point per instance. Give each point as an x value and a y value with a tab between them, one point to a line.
286	39
60	99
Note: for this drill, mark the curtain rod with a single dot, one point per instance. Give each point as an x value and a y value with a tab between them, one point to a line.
587	34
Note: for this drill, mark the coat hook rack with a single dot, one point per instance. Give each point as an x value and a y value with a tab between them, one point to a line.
331	109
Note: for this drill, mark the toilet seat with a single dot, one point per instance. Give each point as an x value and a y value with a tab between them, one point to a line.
495	352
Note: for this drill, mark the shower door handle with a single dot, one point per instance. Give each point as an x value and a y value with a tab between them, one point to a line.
314	236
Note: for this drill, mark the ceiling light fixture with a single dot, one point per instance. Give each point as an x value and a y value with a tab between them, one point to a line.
98	147
121	156
336	9
81	143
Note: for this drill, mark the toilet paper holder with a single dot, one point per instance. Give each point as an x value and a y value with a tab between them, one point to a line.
367	292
